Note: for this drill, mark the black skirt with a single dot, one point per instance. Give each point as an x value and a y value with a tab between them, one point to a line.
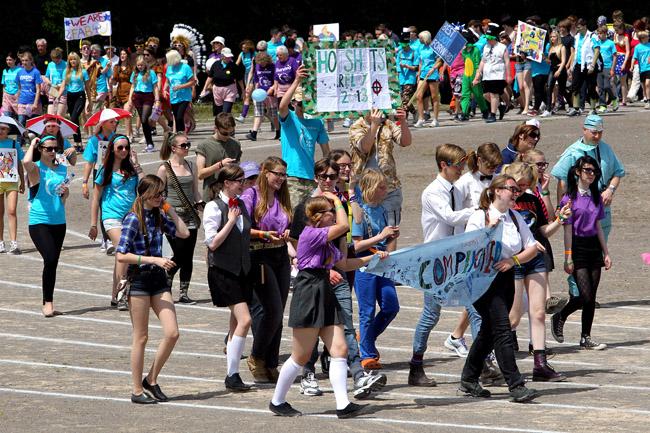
313	304
228	289
587	252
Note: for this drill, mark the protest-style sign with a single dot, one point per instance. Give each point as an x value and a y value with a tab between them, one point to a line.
350	77
530	41
457	270
9	165
448	43
327	32
85	26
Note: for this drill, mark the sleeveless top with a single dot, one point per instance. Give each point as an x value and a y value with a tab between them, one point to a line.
555	61
187	185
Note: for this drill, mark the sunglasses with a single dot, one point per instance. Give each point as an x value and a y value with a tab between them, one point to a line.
542	165
159	194
121	148
278	173
459	164
138	46
328	176
534	135
513	189
185	145
146	55
49	149
590	171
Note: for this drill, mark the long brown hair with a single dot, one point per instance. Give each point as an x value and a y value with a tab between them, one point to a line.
126	165
270	164
522	129
169	140
149	186
488	195
488	152
229	172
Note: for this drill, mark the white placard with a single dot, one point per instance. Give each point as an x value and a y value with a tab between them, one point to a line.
9	165
327	32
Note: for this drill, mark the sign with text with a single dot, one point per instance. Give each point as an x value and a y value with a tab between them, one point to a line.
9	165
530	41
458	270
448	43
85	26
350	77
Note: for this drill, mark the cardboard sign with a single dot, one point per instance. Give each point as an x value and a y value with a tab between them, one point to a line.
530	41
85	26
448	43
9	165
327	32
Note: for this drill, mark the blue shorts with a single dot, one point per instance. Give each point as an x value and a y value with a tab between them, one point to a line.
535	266
521	67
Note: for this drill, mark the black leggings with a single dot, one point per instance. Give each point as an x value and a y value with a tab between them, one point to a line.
225	108
587	280
539	85
145	113
183	255
76	105
179	115
48	240
272	295
561	88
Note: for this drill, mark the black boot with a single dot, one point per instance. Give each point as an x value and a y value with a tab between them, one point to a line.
252	135
417	377
542	372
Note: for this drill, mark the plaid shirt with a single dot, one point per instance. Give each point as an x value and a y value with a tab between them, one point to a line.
132	240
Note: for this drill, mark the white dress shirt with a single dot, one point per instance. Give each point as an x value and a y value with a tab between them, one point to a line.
513	241
470	186
212	218
438	219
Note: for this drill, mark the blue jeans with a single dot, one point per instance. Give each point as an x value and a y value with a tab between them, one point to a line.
372	290
606	224
429	318
343	295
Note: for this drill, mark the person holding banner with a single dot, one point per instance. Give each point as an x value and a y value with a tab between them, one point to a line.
517	247
428	73
314	311
494	71
9	191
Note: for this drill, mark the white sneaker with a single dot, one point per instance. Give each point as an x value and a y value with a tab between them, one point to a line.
347	123
309	385
542	106
13	248
434	124
419	124
2	247
240	118
110	248
546	113
370	381
646	105
102	247
149	148
457	345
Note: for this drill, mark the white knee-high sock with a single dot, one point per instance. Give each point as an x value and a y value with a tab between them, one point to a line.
339	381
288	373
235	348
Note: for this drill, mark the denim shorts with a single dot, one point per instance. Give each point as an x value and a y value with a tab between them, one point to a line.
521	67
535	266
112	223
149	281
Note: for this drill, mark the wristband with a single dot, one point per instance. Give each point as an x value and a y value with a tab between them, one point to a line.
165	207
139	260
516	260
353	199
612	187
545	193
568	252
85	182
339	206
93	227
266	235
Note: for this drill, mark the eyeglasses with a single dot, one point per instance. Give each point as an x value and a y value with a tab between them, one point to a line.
241	180
542	165
590	171
121	148
324	177
185	145
459	164
513	189
342	165
278	173
49	149
159	194
146	55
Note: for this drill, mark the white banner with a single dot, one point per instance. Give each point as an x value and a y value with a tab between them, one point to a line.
85	26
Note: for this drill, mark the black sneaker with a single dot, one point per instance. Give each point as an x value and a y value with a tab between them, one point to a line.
521	394
234	383
143	398
185	299
588	344
557	328
155	390
252	135
555	305
284	409
502	111
473	389
325	361
491	118
350	411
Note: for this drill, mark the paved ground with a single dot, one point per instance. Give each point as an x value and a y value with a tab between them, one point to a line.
71	373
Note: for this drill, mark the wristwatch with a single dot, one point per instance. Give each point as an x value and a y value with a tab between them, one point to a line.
612	187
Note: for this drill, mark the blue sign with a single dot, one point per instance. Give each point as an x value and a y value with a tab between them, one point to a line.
448	43
457	270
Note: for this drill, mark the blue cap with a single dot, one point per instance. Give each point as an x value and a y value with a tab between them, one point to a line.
251	168
594	122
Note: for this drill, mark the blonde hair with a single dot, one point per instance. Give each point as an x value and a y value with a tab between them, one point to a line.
528	156
449	153
145	72
488	152
369	182
68	69
426	36
521	171
173	57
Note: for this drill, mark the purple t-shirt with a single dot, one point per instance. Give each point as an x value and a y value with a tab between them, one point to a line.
296	55
315	251
274	219
585	215
285	72
263	76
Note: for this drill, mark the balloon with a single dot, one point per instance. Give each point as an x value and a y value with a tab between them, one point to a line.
258	95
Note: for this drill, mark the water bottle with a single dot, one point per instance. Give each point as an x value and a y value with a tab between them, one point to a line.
66	182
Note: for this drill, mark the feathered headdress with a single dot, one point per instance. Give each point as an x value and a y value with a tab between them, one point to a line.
194	38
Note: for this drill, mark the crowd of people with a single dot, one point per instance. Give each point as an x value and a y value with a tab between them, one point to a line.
291	224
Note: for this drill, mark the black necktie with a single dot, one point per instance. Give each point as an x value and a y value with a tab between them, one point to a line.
486	177
453	200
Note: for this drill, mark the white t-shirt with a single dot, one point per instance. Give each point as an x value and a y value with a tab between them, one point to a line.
494	66
470	186
513	240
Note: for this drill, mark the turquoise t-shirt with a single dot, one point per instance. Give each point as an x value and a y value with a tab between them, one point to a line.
272	48
76	82
47	206
178	75
55	73
428	58
607	50
141	85
92	152
9	143
298	138
118	197
410	58
544	67
642	55
9	80
373	222
416	45
481	43
102	80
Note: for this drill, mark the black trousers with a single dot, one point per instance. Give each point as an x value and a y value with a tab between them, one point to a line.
183	254
272	295
179	115
76	105
48	240
539	85
561	88
494	307
583	78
